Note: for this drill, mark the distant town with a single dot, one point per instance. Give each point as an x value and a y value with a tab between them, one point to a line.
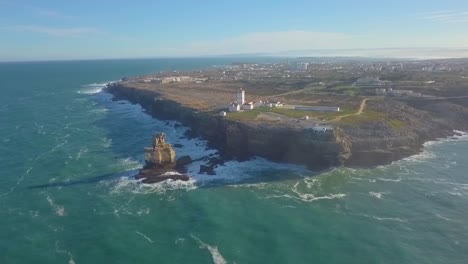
316	93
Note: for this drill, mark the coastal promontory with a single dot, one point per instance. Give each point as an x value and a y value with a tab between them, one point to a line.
302	117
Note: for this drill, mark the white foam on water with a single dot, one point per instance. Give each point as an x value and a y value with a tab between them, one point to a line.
379	218
179	240
129	164
427	154
396	219
377	194
215	254
443	217
61	251
29	169
59	210
82	151
230	172
144	236
297	195
312	182
106	142
455	193
130	185
389	180
94	88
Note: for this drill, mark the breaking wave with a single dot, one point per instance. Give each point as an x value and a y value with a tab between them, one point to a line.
94	88
215	254
59	210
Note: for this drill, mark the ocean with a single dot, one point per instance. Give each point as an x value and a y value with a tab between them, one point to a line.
67	154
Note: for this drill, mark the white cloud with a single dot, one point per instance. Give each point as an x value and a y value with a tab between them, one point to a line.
445	16
52	14
54	31
266	42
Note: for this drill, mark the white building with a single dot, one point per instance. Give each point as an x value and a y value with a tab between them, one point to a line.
222	113
234	107
239	97
258	104
380	91
248	106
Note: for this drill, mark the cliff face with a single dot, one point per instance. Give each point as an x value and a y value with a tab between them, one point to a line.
242	139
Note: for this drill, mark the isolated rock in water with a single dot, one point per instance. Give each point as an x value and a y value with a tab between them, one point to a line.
184	160
204	169
161	154
160	162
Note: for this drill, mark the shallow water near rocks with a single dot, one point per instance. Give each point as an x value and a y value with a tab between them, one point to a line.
67	152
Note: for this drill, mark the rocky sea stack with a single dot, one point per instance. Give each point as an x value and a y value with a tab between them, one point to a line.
160	162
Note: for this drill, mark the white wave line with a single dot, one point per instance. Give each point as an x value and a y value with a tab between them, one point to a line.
61	251
23	176
215	255
144	236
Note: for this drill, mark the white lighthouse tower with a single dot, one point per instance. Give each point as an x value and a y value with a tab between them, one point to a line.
240	96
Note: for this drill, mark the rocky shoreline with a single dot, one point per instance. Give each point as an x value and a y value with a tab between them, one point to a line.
364	146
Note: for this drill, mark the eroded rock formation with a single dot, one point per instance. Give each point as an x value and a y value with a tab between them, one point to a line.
160	162
161	154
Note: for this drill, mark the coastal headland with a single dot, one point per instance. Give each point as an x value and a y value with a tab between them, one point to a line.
287	116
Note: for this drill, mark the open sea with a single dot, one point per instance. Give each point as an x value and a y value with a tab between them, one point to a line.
67	152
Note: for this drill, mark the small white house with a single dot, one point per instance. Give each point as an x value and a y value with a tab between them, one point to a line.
222	113
234	107
258	104
248	106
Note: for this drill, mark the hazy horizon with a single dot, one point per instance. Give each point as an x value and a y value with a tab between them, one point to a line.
52	30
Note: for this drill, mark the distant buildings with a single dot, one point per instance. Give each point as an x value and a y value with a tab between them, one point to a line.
399	93
239	102
367	81
172	79
318	108
248	106
234	107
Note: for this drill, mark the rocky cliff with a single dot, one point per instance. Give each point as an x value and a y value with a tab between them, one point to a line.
350	146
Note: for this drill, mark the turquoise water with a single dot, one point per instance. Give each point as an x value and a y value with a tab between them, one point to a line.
67	151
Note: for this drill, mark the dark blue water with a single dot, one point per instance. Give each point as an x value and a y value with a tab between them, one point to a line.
67	151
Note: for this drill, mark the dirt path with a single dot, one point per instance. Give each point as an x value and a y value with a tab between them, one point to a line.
362	106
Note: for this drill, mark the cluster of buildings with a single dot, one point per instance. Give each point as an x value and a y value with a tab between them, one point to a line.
173	79
239	103
399	93
367	81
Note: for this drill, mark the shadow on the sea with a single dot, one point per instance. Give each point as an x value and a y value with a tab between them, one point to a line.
268	176
91	180
129	136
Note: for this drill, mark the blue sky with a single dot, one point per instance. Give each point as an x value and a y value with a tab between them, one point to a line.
49	30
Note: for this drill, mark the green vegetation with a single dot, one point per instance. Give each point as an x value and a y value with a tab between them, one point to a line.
346	90
365	117
252	114
318	115
396	124
373	116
